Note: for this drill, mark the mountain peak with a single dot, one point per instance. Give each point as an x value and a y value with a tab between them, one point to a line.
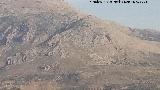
32	6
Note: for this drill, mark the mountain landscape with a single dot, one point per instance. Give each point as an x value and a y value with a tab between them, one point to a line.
48	45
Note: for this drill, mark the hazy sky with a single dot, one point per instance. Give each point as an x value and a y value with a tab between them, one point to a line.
133	15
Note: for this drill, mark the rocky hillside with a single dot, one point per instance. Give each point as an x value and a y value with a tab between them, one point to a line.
47	45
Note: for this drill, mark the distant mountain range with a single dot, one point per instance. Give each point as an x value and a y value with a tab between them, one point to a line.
147	34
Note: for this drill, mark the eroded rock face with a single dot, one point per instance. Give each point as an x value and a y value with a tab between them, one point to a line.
18	58
43	43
